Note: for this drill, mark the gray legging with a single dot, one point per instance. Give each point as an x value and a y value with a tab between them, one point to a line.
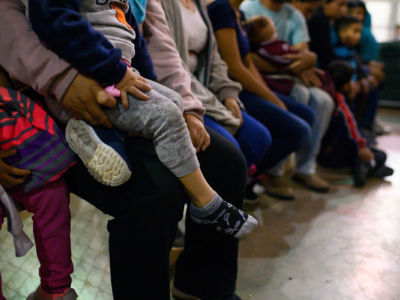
159	119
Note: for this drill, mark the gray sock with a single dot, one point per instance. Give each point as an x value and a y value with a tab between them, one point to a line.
203	212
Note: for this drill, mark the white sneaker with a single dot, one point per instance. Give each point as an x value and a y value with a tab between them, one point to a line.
102	161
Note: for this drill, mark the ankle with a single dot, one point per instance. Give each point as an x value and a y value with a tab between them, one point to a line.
203	199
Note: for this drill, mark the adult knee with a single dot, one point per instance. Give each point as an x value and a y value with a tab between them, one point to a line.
323	101
263	143
301	93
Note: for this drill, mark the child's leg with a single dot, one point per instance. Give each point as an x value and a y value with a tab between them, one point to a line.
51	228
160	119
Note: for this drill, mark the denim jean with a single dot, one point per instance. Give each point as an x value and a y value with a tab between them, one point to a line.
322	105
252	138
290	130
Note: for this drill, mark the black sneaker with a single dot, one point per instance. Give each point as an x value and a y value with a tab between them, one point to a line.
382	172
250	197
228	220
360	172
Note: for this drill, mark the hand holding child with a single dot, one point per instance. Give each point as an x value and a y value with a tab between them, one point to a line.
366	155
134	85
11	176
232	105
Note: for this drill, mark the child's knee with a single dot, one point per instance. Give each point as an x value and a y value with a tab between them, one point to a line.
170	111
177	99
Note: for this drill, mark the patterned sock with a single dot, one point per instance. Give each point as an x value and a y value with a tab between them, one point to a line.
224	217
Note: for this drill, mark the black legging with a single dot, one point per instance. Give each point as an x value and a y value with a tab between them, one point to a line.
146	211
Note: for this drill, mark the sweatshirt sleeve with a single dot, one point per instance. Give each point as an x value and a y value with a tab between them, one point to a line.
350	122
24	57
60	26
167	61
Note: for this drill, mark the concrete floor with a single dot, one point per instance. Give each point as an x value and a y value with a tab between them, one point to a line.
342	245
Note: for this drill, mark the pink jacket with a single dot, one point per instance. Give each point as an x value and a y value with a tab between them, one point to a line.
166	59
26	60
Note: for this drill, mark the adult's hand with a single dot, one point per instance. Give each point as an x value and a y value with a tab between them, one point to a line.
11	176
302	60
84	100
198	134
134	85
232	105
310	77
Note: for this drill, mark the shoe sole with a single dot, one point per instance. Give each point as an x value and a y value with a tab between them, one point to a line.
102	161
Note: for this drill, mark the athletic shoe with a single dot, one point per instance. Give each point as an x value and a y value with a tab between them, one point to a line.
102	161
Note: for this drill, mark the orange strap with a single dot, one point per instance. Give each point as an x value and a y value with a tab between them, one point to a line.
120	14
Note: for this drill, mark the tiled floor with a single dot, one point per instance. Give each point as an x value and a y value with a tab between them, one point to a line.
343	245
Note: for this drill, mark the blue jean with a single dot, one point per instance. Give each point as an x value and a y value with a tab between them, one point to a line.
322	105
290	130
252	138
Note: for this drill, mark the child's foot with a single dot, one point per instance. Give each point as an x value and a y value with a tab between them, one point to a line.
41	294
360	172
102	161
225	217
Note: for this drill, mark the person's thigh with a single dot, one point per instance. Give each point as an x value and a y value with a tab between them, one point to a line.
254	139
279	122
214	125
146	210
207	267
297	108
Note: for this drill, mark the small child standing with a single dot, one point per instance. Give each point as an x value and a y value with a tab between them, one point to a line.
35	143
343	144
158	116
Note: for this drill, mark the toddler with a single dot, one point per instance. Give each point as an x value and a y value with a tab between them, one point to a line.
31	140
262	35
343	144
157	117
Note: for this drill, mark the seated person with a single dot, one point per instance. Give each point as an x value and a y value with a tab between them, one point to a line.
345	39
291	27
343	144
156	116
263	40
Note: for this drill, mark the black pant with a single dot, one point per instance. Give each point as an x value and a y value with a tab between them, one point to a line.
146	210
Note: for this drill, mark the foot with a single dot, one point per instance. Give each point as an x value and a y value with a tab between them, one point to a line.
312	182
360	172
277	186
250	196
224	217
41	294
382	172
102	161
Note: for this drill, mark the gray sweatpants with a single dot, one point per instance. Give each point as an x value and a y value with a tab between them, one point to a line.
159	119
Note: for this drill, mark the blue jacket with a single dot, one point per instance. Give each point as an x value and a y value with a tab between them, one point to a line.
60	26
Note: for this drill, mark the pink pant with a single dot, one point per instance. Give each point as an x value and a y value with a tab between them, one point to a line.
51	228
